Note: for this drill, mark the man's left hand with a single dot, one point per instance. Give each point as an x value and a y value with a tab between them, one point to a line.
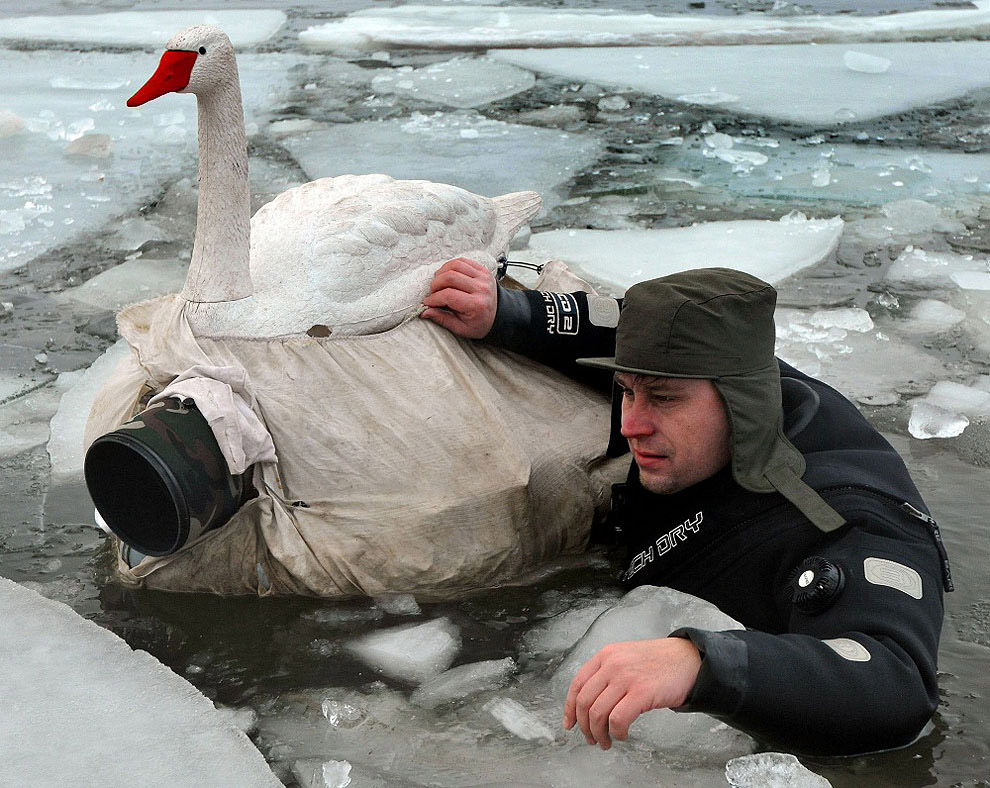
623	680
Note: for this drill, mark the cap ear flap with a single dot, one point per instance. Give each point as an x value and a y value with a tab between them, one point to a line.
617	445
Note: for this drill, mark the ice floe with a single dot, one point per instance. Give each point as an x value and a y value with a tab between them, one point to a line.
463	681
142	28
73	705
771	770
918	269
459	82
65	446
479	26
465	149
847	174
807	84
946	410
518	720
617	259
131	281
409	653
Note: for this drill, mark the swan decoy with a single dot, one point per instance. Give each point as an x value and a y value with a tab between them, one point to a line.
353	254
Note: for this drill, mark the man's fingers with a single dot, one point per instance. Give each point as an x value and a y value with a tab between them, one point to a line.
586	672
584	702
443	318
600	713
458	280
452	299
624	714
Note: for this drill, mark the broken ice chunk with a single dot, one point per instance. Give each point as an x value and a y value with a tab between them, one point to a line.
919	269
563	630
463	681
931	421
866	64
771	770
399	604
518	720
342	715
849	319
410	653
972	280
930	316
459	82
955	396
336	774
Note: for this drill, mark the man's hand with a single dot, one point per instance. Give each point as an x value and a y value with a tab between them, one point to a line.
623	680
463	298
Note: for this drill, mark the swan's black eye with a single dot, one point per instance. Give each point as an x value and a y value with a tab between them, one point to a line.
202	50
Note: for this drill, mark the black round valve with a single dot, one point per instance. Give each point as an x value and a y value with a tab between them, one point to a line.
815	584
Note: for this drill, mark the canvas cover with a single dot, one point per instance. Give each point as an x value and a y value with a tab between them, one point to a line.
408	461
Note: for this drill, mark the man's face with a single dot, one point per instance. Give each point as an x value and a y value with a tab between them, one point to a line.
677	429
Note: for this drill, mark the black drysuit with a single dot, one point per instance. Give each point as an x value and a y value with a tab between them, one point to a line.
847	668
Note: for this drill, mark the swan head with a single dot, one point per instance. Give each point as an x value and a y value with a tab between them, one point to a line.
197	60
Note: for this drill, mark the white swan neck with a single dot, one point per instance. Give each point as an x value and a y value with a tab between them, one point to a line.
220	267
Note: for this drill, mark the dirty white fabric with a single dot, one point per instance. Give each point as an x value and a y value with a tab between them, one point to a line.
408	461
223	395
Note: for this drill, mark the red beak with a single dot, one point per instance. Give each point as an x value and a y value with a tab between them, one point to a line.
172	74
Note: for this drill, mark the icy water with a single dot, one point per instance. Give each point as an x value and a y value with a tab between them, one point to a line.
903	303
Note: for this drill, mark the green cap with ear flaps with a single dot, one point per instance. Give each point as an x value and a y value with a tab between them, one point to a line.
717	324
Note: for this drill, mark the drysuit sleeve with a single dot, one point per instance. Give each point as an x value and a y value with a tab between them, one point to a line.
557	328
857	677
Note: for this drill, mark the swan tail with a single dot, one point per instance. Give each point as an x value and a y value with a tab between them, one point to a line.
514	210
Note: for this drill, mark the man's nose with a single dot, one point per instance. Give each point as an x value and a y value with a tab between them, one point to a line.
635	420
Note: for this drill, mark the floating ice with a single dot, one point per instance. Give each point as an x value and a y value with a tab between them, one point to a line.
970	400
867	64
69	688
466	26
810	84
771	770
620	258
460	82
922	270
972	280
142	28
336	774
411	653
494	158
562	631
932	421
463	681
649	612
929	316
342	715
65	447
399	604
518	721
849	319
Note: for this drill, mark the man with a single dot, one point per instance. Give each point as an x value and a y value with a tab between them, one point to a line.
753	486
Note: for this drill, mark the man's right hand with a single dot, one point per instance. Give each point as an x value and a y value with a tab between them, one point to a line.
463	298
